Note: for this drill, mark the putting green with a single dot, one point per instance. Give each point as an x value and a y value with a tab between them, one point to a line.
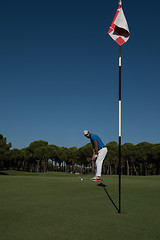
61	206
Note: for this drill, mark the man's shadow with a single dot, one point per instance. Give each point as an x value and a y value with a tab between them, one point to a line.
104	187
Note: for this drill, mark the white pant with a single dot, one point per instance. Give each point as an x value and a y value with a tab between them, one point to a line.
101	156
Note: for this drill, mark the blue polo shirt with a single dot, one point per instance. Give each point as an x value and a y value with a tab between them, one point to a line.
94	138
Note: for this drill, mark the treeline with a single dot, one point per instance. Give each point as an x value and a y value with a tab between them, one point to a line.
141	159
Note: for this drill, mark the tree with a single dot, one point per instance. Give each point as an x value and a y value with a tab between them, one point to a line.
129	158
85	156
4	152
63	156
52	151
38	153
155	152
111	160
17	159
143	158
144	154
73	158
42	154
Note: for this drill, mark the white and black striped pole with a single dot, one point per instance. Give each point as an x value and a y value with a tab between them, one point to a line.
120	33
119	168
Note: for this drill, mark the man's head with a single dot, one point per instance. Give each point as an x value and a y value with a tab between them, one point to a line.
87	134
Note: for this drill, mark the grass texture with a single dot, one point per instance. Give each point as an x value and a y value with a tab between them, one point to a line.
62	206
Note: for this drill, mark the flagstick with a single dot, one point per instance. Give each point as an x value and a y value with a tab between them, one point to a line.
119	22
120	62
119	211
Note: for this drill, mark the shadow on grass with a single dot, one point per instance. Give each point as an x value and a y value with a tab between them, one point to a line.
104	187
2	173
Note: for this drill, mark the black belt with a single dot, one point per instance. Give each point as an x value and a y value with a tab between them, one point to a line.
101	148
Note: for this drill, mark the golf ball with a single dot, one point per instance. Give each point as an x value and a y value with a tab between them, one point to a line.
81	179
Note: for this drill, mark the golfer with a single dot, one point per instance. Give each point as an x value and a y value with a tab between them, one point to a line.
99	153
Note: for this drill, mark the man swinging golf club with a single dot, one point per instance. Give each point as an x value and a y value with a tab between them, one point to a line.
99	153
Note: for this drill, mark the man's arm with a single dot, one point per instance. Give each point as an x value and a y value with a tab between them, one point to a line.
95	150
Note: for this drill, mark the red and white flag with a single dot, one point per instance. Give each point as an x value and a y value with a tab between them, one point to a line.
119	30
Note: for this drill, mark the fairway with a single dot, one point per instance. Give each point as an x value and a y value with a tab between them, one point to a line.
61	206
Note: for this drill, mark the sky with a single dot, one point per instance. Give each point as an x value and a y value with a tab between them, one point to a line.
59	72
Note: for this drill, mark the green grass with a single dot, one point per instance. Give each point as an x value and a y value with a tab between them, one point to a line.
61	206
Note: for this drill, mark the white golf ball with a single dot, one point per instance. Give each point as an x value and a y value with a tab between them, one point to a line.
81	179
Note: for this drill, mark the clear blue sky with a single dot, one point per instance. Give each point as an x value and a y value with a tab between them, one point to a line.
59	72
